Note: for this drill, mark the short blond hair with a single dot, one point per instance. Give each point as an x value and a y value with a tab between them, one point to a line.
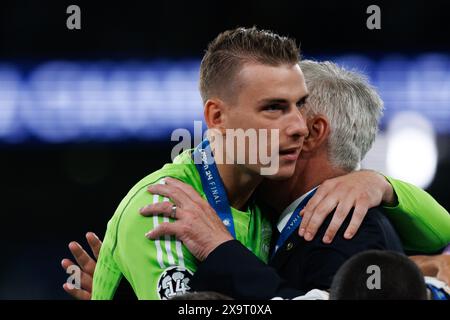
231	49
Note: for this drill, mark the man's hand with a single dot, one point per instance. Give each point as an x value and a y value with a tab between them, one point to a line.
197	224
361	190
87	265
434	266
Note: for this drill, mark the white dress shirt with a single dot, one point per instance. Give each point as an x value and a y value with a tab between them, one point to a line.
287	213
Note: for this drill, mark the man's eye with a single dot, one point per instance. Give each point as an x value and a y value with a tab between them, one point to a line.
301	103
273	107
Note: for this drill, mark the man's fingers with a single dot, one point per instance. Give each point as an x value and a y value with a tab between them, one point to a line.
306	216
357	218
85	278
78	294
83	259
161	208
318	216
443	274
196	199
94	242
188	189
316	199
308	210
65	263
339	216
158	208
169	191
165	228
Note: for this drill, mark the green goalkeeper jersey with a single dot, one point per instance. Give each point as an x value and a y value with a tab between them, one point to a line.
162	269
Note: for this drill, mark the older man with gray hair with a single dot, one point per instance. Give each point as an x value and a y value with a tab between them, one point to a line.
346	108
342	114
352	107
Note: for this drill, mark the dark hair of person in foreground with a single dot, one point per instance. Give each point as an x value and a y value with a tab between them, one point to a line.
378	275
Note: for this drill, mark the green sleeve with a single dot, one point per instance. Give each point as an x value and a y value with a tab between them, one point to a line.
422	223
143	262
107	274
158	269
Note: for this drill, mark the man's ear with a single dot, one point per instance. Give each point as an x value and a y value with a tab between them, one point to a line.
319	130
214	114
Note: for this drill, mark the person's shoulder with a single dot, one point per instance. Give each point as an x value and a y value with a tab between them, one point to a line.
371	220
182	168
376	219
138	194
375	232
376	211
130	226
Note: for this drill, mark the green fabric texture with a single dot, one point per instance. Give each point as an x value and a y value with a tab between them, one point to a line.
421	222
126	252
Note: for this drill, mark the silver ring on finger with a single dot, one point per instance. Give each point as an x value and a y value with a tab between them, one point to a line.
173	213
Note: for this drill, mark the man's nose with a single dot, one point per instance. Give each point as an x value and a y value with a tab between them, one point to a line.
297	127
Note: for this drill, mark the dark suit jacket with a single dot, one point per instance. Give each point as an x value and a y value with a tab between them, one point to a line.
297	267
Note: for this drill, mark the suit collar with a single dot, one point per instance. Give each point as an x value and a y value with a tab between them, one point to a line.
287	213
283	253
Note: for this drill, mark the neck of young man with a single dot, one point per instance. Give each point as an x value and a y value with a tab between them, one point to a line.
240	184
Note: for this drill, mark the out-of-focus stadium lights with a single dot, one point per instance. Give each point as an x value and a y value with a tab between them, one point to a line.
411	149
62	101
68	101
